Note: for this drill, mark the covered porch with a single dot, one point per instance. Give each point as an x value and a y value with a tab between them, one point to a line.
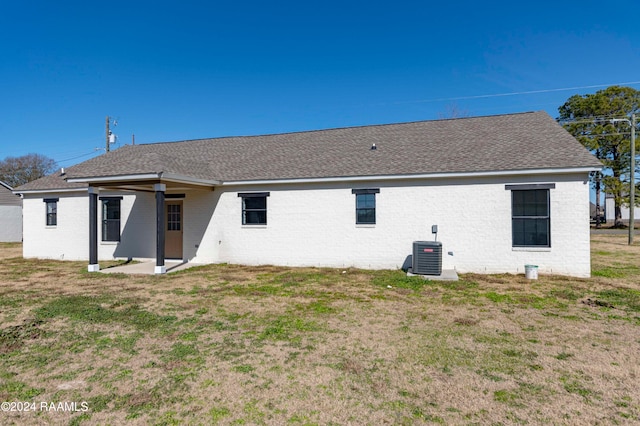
169	193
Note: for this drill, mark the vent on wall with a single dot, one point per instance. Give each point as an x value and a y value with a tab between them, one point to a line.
427	258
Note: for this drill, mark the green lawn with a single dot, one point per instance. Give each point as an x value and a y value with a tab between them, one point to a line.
226	344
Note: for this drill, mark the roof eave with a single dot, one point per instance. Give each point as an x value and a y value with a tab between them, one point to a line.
168	177
121	178
47	191
519	172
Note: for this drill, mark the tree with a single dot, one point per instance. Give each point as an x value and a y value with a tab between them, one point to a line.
588	119
452	110
16	171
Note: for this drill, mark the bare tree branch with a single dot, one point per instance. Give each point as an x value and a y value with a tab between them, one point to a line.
16	171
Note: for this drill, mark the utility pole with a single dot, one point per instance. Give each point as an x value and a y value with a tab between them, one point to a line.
110	137
632	179
632	172
108	133
597	178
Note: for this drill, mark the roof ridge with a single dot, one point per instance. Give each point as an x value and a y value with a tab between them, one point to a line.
341	128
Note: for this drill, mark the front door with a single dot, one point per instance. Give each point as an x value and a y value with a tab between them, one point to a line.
173	227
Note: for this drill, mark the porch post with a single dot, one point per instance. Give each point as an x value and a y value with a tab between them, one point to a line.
93	230
160	188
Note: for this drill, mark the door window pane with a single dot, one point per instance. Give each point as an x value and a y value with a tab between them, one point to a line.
174	220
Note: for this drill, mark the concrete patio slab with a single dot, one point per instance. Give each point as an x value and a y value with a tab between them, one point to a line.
445	275
148	268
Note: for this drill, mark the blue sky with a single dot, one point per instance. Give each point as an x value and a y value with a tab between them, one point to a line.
176	70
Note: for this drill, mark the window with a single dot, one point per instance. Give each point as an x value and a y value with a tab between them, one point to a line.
254	208
110	218
530	218
173	217
365	206
52	211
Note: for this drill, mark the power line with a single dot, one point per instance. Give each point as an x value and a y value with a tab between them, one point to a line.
597	135
596	119
529	92
75	158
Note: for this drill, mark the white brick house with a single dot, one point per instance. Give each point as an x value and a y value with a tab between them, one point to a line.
505	191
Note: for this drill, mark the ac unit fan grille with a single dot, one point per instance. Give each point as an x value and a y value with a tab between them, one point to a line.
427	258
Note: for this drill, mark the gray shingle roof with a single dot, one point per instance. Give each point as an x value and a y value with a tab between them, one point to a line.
524	141
7	197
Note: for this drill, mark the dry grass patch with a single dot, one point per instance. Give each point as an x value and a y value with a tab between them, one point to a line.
10	250
227	344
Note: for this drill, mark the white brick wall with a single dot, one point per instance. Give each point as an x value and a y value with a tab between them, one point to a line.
314	225
200	241
137	228
69	239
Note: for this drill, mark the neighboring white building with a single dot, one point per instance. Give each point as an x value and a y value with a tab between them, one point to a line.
505	191
10	215
610	209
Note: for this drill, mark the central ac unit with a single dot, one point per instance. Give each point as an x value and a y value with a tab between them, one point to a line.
427	258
